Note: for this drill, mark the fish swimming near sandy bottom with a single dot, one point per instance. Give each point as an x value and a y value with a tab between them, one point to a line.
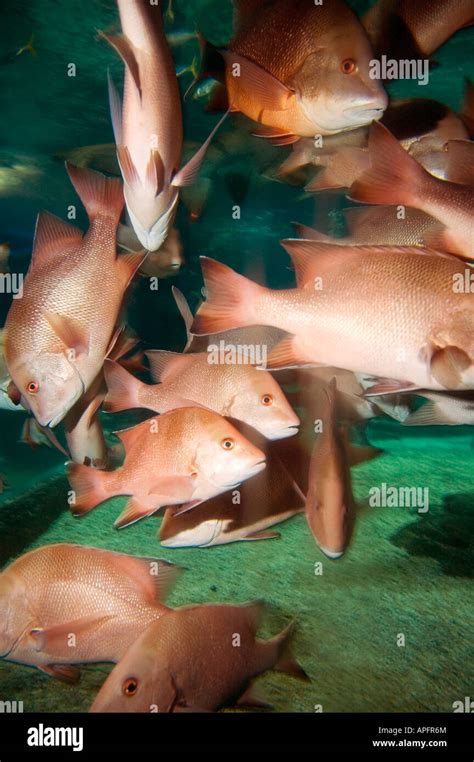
59	333
330	504
403	28
320	86
394	177
148	129
182	457
246	513
390	312
237	389
68	604
192	662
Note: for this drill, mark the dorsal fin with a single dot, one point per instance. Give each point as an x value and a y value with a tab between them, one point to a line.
303	253
52	236
164	365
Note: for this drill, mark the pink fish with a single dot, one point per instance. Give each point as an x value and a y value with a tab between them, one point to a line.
184	456
148	130
66	604
391	312
237	390
59	333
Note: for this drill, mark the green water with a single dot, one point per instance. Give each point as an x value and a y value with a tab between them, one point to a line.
404	573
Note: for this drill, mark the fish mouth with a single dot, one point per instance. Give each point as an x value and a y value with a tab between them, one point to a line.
257	467
365	114
53	421
284	432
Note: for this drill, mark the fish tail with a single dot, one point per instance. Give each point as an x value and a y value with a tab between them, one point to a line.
230	300
100	195
285	661
394	176
89	487
123	388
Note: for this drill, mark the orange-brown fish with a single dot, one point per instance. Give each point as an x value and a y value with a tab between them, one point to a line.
246	514
169	668
59	333
402	28
67	604
330	505
314	81
148	129
388	311
237	390
184	456
397	178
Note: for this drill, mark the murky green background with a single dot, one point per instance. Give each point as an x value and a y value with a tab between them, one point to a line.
404	572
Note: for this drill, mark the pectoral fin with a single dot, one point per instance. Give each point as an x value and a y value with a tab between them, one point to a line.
72	334
56	639
63	672
447	365
269	92
261	535
188	174
389	386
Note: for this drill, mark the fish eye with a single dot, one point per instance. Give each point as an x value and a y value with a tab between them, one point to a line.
228	443
348	66
130	687
267	400
33	387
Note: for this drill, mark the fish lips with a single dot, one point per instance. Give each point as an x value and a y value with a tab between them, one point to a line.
361	115
283	432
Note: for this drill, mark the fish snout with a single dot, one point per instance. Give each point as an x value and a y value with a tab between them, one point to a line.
368	109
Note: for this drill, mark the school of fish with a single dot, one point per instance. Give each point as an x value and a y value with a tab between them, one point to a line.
250	423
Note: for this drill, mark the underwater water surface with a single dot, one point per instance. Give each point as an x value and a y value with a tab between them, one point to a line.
405	572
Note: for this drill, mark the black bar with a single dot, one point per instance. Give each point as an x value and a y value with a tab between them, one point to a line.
445	735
